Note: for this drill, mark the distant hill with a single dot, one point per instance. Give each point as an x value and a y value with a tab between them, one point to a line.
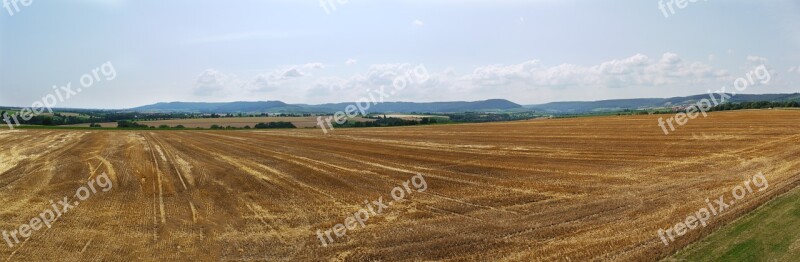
231	107
641	103
281	107
454	107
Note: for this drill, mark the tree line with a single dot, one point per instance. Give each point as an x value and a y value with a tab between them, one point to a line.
388	121
755	105
134	125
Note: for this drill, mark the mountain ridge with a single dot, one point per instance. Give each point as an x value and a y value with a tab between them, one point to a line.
281	107
456	106
644	103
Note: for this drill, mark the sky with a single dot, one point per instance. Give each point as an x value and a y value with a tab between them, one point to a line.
141	52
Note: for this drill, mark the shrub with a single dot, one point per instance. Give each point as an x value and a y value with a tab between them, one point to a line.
275	125
129	124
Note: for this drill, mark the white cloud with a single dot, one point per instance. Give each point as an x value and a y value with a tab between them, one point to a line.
524	80
634	76
337	89
273	81
757	59
670	58
712	57
315	65
290	73
418	23
351	62
637	70
214	83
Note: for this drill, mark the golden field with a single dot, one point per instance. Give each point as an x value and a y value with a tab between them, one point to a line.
559	189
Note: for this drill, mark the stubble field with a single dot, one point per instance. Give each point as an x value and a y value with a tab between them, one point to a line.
562	189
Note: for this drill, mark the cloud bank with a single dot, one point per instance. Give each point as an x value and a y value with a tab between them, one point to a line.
530	81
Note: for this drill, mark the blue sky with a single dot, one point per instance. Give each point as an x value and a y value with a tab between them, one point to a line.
529	52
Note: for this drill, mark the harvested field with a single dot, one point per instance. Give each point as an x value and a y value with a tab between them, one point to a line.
561	189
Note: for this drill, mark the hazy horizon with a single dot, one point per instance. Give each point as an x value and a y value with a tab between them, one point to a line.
350	102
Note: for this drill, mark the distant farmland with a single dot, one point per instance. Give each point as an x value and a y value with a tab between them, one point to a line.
414	117
299	122
576	189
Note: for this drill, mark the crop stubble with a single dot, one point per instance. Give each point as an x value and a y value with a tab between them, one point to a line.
583	188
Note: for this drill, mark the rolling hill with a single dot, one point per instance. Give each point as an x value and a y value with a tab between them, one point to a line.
641	103
281	107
